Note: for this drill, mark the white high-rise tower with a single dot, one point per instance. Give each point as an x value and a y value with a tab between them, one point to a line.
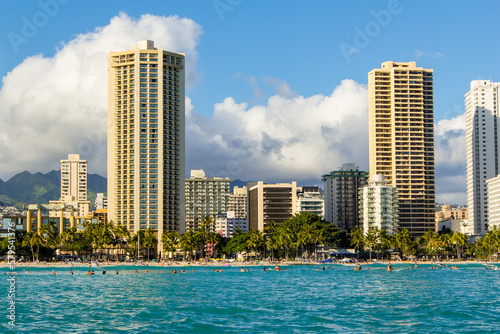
482	145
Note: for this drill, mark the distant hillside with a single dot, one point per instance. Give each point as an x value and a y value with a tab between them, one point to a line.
38	188
237	183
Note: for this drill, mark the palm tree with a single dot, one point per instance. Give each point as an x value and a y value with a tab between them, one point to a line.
188	242
272	244
170	241
386	241
357	238
403	240
371	239
149	239
254	241
459	240
31	239
285	237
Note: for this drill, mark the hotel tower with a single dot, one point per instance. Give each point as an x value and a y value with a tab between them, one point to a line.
482	134
401	132
146	138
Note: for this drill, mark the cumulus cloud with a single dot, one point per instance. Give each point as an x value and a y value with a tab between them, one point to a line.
291	137
53	106
450	155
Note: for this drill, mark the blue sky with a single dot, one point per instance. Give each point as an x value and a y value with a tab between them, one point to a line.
251	54
296	41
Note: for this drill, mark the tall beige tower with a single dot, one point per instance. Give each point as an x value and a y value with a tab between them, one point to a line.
146	138
401	131
74	178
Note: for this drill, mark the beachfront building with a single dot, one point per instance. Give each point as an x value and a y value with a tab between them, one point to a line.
309	199
205	198
401	132
493	193
341	192
238	202
230	224
270	202
74	185
482	135
379	206
146	138
101	202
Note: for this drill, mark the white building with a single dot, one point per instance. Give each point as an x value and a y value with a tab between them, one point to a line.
309	199
101	202
482	149
493	188
205	198
228	226
379	206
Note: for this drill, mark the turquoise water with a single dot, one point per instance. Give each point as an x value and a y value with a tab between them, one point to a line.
298	300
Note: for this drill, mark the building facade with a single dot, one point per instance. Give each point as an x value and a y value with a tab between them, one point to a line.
309	199
379	206
493	191
270	202
341	193
401	132
228	226
101	202
205	198
238	202
146	149
482	149
74	185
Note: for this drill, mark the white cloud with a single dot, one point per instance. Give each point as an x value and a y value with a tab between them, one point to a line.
53	106
450	154
292	137
434	54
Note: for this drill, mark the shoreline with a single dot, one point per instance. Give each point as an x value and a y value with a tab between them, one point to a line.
227	264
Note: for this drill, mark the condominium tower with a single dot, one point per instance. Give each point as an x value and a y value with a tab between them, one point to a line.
342	195
74	178
482	133
401	131
74	185
379	206
146	138
270	202
205	198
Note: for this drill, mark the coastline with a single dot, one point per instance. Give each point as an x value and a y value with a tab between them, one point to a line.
229	264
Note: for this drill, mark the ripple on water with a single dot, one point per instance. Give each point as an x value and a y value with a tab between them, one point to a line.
300	300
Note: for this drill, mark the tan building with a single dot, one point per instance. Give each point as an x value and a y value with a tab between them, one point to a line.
74	185
205	198
270	202
146	138
238	202
401	132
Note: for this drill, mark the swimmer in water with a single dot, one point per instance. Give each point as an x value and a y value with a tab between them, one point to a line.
53	272
175	271
389	267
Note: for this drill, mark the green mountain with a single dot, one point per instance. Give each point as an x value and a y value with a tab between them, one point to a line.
38	188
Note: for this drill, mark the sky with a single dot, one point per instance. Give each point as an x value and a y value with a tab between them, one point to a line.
276	90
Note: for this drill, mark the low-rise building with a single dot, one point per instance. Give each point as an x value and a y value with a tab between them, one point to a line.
379	206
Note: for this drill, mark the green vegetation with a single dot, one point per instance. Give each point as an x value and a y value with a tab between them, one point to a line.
297	237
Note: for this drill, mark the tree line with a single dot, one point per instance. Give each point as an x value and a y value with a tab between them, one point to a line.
297	237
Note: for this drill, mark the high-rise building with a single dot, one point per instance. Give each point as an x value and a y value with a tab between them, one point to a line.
205	198
482	135
270	202
74	185
146	138
101	202
74	178
309	199
238	202
493	188
342	195
401	131
379	206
